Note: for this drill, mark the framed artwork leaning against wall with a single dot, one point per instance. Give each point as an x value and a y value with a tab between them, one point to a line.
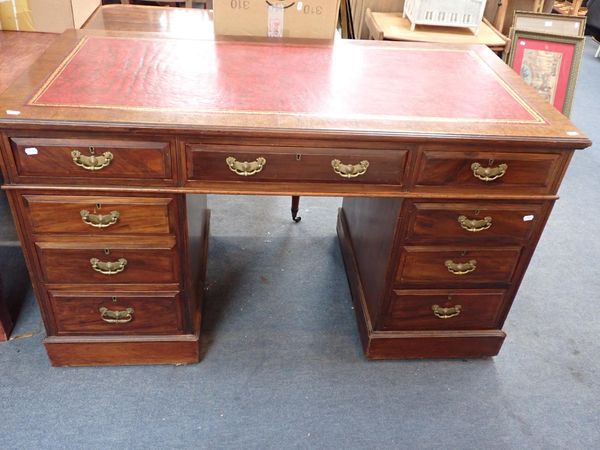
549	63
556	24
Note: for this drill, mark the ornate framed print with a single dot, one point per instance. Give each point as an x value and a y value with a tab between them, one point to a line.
556	24
548	63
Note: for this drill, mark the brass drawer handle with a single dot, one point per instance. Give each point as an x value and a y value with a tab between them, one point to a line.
116	316
92	162
461	268
99	220
446	313
108	268
488	173
349	170
475	225
245	168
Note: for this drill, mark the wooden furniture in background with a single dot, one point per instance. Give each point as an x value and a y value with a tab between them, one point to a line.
359	8
187	3
573	8
446	191
392	26
19	50
176	22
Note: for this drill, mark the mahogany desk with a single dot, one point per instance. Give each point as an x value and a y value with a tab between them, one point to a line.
447	182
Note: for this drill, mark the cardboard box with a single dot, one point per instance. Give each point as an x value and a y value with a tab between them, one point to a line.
316	19
50	16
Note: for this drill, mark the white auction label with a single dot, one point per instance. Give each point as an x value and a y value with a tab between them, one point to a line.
12	112
31	151
528	218
548	23
275	21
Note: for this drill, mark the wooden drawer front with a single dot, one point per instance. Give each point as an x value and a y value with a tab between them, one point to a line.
145	263
473	222
209	163
429	265
52	158
525	172
455	310
119	313
106	215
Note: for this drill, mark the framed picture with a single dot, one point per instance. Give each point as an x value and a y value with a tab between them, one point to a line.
557	24
548	63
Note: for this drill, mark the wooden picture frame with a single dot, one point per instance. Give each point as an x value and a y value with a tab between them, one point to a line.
549	63
556	24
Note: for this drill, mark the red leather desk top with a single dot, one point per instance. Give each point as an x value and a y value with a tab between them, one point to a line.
93	79
324	81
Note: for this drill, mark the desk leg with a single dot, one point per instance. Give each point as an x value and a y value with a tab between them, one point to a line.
6	323
295	206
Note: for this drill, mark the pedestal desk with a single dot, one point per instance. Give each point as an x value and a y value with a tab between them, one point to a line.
448	164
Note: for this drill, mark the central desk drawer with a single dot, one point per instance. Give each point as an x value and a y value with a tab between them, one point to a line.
100	214
211	162
488	171
92	160
116	313
444	309
431	265
140	261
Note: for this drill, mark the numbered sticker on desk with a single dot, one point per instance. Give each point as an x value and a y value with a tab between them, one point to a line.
30	151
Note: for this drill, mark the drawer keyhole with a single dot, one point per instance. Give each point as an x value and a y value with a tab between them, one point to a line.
107	251
298	156
92	149
114	299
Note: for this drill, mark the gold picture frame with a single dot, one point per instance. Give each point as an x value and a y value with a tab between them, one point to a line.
556	24
541	61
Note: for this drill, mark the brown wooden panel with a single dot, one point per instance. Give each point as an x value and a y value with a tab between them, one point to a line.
42	158
433	222
427	265
136	215
207	162
153	313
107	350
371	225
147	261
413	310
444	168
440	344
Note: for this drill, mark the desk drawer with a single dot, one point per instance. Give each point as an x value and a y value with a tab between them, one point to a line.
211	162
444	309
116	313
139	261
40	159
431	265
488	171
100	214
486	223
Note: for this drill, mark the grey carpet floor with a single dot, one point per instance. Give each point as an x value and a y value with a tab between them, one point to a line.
283	367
